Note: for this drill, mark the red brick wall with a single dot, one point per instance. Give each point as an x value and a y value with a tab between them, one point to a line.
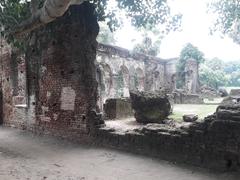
13	87
62	72
61	86
6	85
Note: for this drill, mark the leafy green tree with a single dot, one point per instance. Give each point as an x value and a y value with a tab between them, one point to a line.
212	78
20	16
235	79
147	47
105	35
215	64
232	69
228	21
152	38
216	72
188	52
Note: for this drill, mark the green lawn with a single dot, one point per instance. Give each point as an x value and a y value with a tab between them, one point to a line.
202	110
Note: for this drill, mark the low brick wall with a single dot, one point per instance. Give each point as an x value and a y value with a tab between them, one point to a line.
212	144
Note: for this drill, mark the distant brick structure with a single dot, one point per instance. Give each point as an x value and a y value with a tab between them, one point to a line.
192	76
119	70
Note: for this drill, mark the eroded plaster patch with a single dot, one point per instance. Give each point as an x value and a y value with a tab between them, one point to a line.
49	94
68	96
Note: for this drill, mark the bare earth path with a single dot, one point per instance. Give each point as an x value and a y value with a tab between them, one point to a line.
24	156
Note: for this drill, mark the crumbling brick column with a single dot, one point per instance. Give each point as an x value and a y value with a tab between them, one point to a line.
61	72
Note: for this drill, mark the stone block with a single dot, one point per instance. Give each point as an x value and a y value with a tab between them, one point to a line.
229	112
190	117
117	108
235	92
150	107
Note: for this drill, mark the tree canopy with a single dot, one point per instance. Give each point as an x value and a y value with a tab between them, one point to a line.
147	46
228	17
142	13
105	35
212	76
215	72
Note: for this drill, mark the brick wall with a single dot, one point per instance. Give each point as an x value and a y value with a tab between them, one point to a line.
62	71
211	144
60	91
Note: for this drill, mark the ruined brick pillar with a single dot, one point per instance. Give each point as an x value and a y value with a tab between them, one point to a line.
61	72
192	76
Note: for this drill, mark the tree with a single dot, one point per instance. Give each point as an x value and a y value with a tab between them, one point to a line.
215	64
228	21
188	52
232	69
151	41
215	73
234	79
142	13
212	78
147	47
50	10
105	35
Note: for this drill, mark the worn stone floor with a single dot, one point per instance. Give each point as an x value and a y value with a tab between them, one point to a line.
27	157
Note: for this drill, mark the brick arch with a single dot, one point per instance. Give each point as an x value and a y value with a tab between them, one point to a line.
156	80
140	79
106	80
132	81
125	78
125	73
99	79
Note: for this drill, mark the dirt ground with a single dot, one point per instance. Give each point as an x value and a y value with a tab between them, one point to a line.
27	157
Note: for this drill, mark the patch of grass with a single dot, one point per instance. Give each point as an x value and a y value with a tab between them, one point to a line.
202	110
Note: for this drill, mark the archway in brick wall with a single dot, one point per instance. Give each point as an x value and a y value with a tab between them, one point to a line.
100	84
106	84
140	79
156	80
124	72
107	78
132	80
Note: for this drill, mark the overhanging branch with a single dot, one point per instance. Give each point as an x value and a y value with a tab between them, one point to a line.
51	10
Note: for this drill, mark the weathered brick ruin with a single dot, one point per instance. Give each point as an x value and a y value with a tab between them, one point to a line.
53	89
120	70
213	143
58	90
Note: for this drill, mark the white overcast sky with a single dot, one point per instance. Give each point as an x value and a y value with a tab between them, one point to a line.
195	29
